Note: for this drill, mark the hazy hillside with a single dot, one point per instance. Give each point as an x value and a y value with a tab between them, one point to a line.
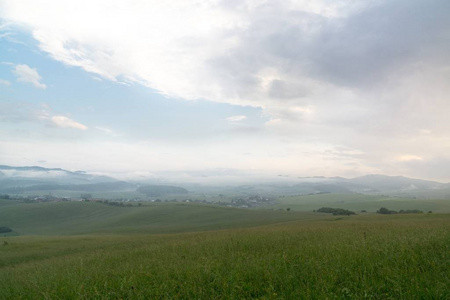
93	187
38	180
392	183
27	176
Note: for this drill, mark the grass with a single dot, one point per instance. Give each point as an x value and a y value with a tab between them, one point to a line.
60	218
362	257
81	250
358	202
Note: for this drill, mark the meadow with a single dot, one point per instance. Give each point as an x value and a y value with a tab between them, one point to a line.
257	254
358	202
63	218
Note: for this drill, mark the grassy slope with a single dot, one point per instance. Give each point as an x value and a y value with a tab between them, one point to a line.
358	202
83	217
362	257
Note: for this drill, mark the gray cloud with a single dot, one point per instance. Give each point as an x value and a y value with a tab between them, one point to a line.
372	44
358	50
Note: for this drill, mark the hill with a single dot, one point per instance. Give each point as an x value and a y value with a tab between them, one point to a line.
25	176
39	181
61	218
383	183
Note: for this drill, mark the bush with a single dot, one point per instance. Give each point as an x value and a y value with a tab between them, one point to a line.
385	211
336	211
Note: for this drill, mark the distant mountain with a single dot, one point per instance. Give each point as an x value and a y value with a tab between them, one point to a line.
34	178
18	180
394	183
368	184
93	187
378	184
39	178
54	174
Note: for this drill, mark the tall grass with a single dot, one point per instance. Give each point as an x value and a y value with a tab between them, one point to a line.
365	257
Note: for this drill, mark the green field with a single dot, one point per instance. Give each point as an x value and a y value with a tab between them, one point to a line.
81	250
358	202
62	218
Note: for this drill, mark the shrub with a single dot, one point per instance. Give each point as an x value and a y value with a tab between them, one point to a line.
336	211
385	211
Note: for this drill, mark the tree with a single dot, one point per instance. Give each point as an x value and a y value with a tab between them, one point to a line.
385	211
336	211
86	197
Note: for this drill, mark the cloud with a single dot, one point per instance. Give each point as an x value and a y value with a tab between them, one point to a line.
5	82
35	174
236	118
17	112
409	157
25	112
270	54
65	122
104	130
26	74
366	75
107	131
221	46
436	168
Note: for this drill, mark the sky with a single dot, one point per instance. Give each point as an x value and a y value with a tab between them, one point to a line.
227	89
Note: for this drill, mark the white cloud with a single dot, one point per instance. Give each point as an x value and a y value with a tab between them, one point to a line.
65	122
273	55
409	157
425	131
104	130
236	118
108	132
29	75
19	112
274	122
185	49
5	82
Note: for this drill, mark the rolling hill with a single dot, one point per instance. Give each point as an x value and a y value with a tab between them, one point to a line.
61	218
